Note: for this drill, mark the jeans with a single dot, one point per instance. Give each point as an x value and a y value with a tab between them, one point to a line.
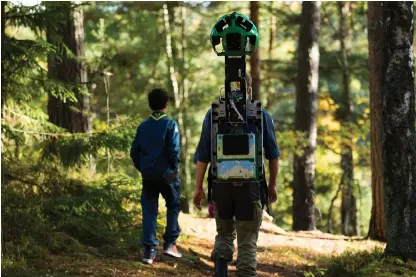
149	200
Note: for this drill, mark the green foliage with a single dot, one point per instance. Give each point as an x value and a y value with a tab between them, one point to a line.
12	268
349	263
56	198
48	210
317	273
53	204
24	56
71	149
96	214
368	264
47	194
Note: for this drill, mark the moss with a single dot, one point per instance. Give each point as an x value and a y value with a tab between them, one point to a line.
369	264
112	251
60	242
15	267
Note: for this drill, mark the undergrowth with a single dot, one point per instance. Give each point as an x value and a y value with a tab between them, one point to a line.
48	210
369	264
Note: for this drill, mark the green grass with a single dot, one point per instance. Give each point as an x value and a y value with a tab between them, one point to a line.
369	264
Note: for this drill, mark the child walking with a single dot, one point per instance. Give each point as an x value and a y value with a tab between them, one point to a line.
155	153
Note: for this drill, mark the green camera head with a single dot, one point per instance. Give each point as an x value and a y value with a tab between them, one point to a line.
237	33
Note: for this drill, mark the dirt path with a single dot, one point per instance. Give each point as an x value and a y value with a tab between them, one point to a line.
280	253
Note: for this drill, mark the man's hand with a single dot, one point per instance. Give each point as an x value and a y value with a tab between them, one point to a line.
272	194
198	196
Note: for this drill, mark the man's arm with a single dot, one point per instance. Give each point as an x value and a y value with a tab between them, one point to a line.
201	168
203	156
199	193
204	145
272	153
273	171
271	148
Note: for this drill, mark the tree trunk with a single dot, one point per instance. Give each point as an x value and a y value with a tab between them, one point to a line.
75	117
349	213
3	29
398	129
272	33
306	112
255	58
178	99
187	179
375	40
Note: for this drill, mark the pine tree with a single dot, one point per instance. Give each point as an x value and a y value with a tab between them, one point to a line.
305	122
68	35
375	41
398	128
349	212
255	58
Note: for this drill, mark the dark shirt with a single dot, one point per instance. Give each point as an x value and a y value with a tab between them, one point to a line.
156	146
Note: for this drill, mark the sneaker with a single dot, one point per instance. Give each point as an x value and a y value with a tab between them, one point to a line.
171	250
149	254
221	268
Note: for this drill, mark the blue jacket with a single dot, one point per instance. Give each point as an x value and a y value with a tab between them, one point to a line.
156	147
271	149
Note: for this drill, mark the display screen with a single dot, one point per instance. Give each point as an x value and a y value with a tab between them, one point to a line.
236	93
235	145
235	86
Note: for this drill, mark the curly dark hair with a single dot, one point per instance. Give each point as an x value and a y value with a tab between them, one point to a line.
158	98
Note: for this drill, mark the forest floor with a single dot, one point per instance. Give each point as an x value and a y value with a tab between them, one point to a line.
280	253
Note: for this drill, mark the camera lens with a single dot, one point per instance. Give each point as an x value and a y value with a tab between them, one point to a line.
233	42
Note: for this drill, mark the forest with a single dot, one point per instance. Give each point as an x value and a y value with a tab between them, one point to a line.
338	79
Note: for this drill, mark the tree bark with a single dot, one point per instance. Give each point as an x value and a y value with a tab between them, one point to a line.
178	99
331	206
398	129
75	117
349	213
3	29
187	192
272	33
255	57
305	122
375	40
